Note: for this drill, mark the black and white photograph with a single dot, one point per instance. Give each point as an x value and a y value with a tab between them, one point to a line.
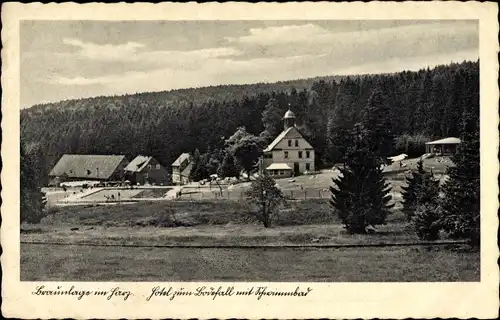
250	151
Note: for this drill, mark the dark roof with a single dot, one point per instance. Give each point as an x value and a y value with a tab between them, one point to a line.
138	164
87	166
183	157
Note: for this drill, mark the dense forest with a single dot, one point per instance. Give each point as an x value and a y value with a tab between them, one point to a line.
418	106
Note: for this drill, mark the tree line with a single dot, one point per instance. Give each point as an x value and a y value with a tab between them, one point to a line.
419	106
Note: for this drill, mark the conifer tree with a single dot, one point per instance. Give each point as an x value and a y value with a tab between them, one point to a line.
199	169
228	167
421	188
32	206
361	194
377	122
461	211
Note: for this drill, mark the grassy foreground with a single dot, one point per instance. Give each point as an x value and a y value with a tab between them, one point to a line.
194	213
65	263
230	223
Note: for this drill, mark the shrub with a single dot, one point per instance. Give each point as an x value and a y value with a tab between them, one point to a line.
426	221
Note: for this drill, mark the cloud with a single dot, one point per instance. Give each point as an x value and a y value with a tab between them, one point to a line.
76	67
138	53
406	41
282	34
104	52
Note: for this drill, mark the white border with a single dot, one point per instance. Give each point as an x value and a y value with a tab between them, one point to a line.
332	300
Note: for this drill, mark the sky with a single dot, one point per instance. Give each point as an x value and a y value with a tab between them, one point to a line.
75	59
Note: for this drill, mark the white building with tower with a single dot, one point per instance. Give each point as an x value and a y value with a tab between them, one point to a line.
289	154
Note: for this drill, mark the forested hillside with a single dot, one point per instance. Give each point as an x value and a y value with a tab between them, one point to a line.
420	105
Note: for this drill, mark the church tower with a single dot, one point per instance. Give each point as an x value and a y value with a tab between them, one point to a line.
289	119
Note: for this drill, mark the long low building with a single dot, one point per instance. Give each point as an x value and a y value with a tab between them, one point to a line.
74	167
443	146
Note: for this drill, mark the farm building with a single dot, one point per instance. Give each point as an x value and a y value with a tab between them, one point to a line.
443	146
181	168
289	150
75	167
146	170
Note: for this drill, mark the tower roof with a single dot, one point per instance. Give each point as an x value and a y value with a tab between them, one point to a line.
289	115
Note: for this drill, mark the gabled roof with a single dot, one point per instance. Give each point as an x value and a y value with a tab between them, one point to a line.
277	140
450	140
183	157
138	164
279	166
281	136
87	166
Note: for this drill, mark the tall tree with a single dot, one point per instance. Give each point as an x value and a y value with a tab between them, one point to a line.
378	124
228	167
421	188
245	148
360	195
341	121
199	170
32	207
461	210
272	118
267	197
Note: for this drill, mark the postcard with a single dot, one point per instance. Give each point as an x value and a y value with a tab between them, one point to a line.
250	160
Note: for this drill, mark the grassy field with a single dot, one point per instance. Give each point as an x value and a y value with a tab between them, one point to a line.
228	223
194	213
65	263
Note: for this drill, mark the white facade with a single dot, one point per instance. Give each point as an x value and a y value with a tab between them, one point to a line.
290	148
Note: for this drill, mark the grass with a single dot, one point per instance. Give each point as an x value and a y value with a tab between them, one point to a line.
229	235
194	213
152	193
67	263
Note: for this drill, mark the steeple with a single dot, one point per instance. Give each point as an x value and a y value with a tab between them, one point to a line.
289	119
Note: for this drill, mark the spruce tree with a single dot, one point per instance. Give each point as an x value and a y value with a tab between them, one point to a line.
461	211
228	167
421	188
32	206
361	194
378	124
199	169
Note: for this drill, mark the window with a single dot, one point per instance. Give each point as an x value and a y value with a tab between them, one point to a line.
308	154
282	172
149	166
268	156
289	143
308	166
157	166
275	172
300	154
286	154
296	143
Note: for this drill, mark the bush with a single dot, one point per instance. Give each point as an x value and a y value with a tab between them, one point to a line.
426	221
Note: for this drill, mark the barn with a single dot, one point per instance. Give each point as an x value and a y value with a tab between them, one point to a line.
146	170
82	167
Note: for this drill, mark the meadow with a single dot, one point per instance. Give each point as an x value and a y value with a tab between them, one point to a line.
223	240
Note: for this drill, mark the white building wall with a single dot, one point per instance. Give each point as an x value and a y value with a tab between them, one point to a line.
293	153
